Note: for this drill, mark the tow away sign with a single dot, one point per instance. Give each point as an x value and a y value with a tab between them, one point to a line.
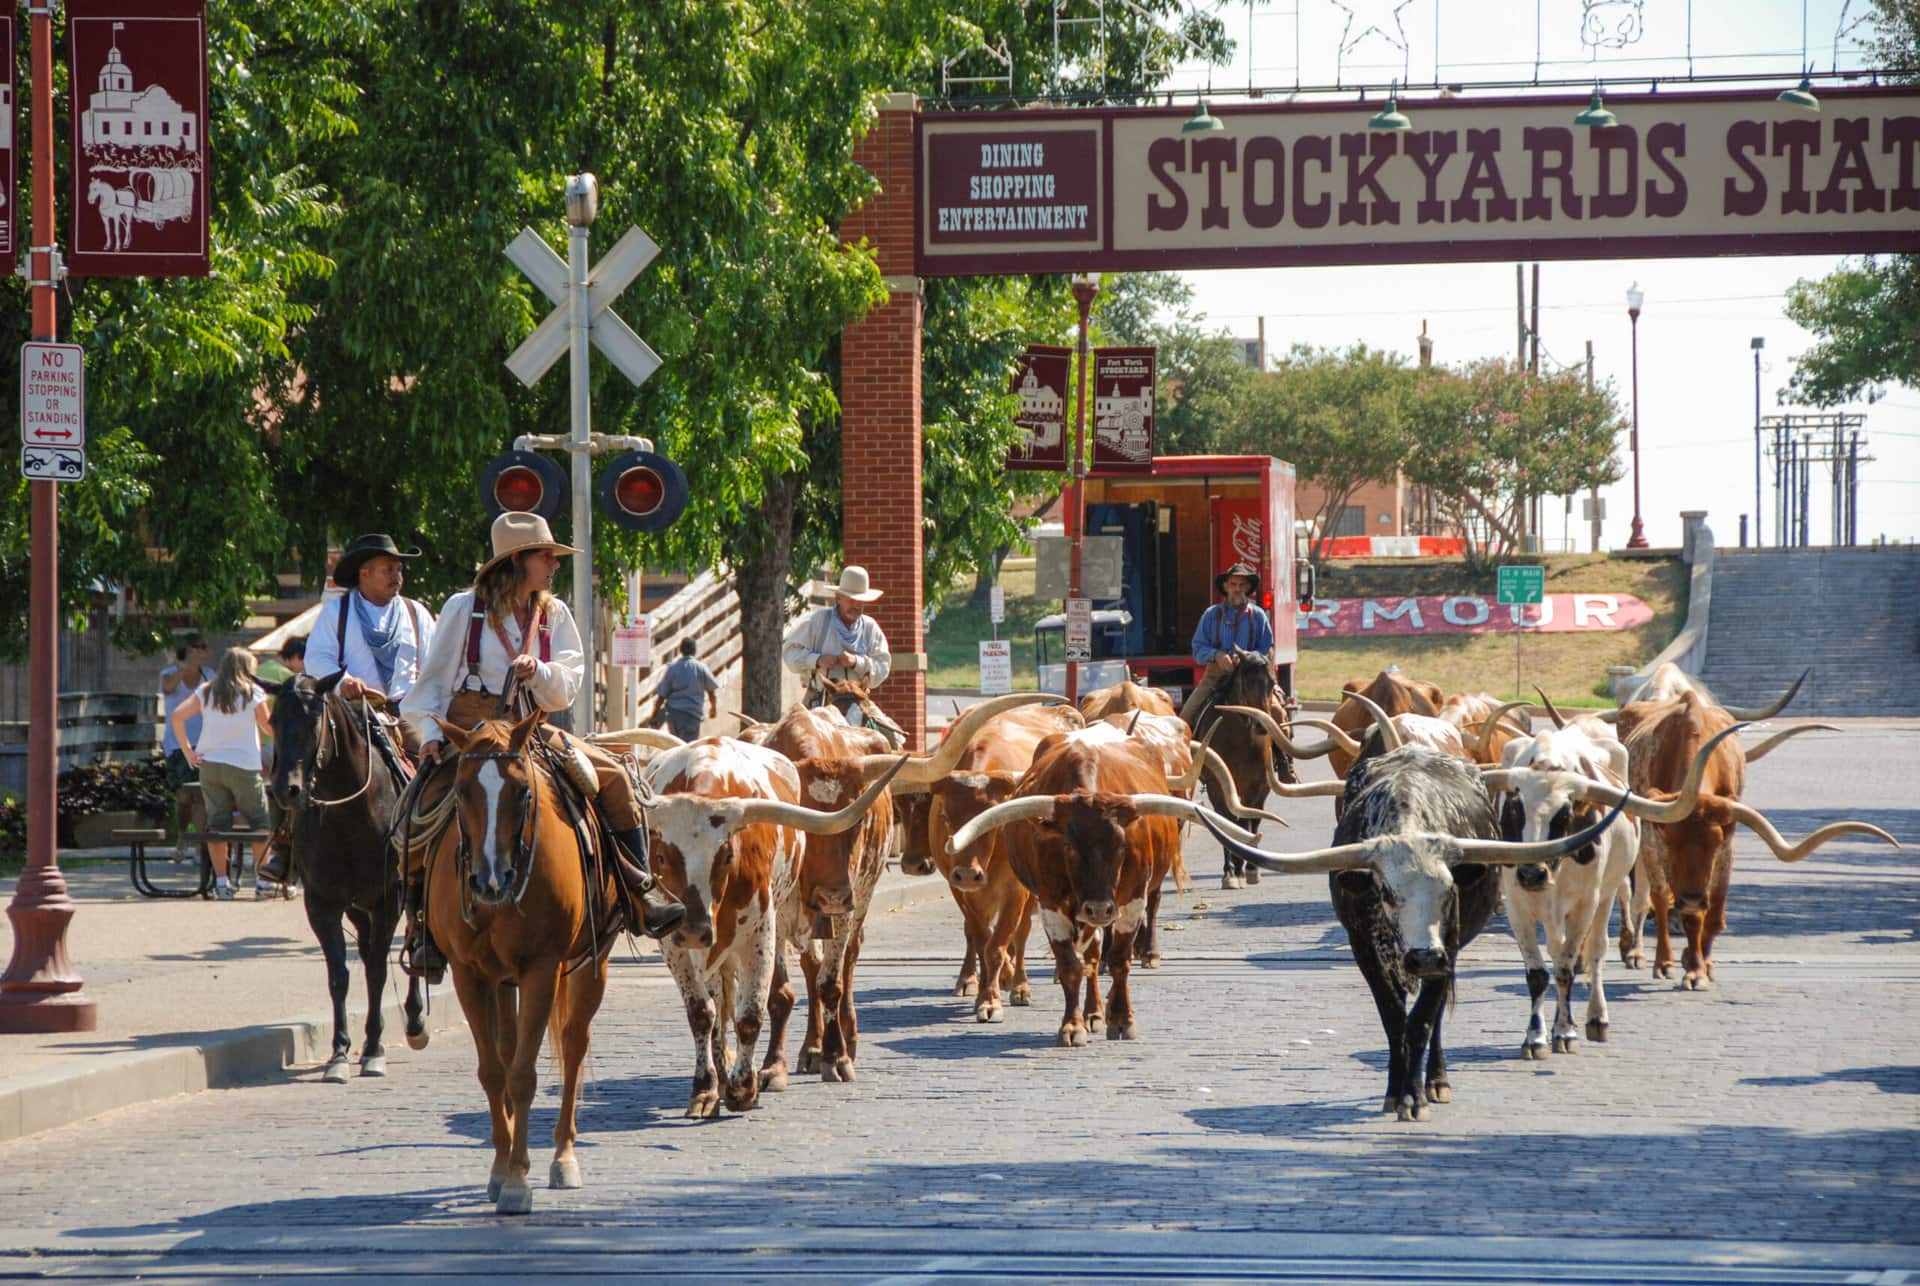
53	403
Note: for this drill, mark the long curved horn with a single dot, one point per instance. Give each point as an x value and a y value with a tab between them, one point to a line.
638	737
754	812
1028	808
1344	857
1759	752
1665	811
927	768
1500	852
1389	735
1767	712
1608	716
1223	778
1547	701
1756	821
1135	721
1187	780
1298	790
1335	733
1491	722
746	720
1150	805
1297	750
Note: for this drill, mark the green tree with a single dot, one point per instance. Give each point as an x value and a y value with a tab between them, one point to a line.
1491	435
1340	417
1865	316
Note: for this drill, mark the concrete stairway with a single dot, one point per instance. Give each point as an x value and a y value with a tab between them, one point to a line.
1851	614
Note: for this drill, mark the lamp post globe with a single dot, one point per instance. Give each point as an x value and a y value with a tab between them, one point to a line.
1636	299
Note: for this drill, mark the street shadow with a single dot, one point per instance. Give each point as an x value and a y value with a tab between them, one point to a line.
1888	1080
608	1105
982	1040
1856	851
246	949
1787	909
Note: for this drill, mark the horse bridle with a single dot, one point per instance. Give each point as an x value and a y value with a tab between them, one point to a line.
523	845
322	744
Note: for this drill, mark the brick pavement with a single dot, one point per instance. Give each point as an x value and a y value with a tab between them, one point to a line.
1775	1114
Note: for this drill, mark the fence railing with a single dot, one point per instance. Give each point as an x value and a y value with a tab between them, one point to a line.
92	727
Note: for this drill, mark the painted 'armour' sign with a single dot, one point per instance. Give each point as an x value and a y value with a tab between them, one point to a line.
1680	174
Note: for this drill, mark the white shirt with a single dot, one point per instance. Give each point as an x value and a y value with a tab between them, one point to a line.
815	637
445	671
323	646
231	739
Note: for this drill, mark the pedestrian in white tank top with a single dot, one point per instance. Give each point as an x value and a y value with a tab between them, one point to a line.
233	713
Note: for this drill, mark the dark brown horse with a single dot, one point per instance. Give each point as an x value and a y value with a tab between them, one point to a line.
526	931
1242	743
342	797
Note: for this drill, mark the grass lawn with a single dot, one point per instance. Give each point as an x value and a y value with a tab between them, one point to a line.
1571	667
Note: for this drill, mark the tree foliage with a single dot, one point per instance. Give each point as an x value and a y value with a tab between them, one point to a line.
1865	316
1490	436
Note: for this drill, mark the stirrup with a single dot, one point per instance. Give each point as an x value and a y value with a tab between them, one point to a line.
424	959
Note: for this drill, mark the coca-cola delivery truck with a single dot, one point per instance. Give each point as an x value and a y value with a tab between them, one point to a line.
1180	526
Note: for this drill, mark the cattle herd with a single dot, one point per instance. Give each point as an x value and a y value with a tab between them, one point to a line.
1442	808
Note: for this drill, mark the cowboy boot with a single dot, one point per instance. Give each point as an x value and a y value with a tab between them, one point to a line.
275	869
423	956
660	911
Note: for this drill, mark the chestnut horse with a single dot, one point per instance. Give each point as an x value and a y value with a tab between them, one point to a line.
527	934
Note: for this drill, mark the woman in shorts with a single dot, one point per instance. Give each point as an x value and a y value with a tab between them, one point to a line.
233	713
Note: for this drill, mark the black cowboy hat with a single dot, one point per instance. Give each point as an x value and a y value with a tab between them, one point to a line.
346	572
1238	569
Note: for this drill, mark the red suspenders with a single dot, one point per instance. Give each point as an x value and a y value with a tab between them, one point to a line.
476	623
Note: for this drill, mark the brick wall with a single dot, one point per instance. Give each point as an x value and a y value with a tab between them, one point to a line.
880	418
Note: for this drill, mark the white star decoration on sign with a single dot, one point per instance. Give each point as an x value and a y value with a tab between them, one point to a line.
1372	18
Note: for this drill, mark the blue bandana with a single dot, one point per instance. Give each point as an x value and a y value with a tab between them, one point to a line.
381	632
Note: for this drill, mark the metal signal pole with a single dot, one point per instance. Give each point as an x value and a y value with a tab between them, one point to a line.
40	992
1085	288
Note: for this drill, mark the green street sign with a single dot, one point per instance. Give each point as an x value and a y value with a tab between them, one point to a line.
1522	584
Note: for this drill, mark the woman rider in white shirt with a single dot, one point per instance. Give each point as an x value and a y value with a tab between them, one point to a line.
520	630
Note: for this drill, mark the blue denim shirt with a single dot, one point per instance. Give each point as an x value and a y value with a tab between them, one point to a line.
1220	629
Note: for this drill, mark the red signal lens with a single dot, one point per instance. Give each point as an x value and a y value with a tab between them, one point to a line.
518	489
640	491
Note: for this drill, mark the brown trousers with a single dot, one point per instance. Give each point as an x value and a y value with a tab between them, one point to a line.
469	709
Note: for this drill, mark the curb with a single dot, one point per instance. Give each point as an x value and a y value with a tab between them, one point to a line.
53	1097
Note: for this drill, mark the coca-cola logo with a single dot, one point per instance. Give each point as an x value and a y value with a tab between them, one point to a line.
1245	539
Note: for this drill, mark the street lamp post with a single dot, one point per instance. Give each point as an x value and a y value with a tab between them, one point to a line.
1635	298
1759	342
1085	287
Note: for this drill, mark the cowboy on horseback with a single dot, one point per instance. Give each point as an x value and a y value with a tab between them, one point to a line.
373	637
1227	631
509	636
833	647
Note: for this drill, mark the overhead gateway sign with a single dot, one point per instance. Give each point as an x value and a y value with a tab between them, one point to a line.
1680	175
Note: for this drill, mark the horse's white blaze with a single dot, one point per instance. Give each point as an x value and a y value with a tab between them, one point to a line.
491	783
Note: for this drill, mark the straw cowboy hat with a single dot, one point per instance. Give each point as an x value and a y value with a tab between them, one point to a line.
346	572
853	585
1243	570
515	532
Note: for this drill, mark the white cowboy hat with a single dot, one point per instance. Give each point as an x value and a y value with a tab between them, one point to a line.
853	584
514	532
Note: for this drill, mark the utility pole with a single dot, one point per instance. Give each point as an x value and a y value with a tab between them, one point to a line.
40	992
1758	342
1086	288
1520	363
1261	356
1593	492
1536	507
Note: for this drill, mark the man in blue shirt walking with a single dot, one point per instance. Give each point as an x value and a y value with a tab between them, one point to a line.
1227	631
682	689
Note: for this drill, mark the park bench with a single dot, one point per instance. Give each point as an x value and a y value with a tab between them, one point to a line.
137	841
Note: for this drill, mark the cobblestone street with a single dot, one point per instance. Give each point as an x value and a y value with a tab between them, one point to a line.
1766	1126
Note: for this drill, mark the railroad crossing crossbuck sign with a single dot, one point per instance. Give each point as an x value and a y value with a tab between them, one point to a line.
614	338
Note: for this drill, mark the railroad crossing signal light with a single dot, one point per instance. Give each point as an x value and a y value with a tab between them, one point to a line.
523	482
643	491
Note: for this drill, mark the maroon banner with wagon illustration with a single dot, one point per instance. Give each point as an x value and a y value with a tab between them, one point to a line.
138	129
1123	410
1040	382
9	169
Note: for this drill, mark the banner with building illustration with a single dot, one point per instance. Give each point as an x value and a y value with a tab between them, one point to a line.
1123	410
1040	382
138	127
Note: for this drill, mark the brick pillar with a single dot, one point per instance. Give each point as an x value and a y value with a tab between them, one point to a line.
880	417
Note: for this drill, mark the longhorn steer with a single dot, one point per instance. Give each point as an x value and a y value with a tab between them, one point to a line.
1124	697
1392	692
1412	881
1090	829
1555	784
729	833
1690	861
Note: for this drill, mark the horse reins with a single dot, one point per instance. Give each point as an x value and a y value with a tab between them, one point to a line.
323	742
